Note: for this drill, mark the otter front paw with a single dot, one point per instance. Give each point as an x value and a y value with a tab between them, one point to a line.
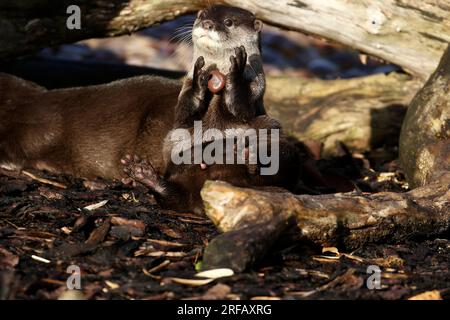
237	94
238	64
199	80
140	171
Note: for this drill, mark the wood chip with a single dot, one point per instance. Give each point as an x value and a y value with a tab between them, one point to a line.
66	230
166	243
96	206
352	257
138	224
325	260
112	285
215	273
170	232
99	234
153	253
327	257
44	181
40	259
301	294
428	295
157	268
55	282
330	249
192	282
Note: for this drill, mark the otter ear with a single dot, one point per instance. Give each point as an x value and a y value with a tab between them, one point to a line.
258	25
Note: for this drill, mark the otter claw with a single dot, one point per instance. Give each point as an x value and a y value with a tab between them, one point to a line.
139	171
199	64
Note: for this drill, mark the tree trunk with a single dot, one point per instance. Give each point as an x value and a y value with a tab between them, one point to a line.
425	136
410	33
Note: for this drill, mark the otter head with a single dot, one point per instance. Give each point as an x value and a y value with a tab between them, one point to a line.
218	30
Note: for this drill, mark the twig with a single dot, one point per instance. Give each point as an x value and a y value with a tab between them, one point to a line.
44	181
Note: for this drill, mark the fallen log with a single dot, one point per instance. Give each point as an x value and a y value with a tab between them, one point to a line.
410	33
346	220
239	249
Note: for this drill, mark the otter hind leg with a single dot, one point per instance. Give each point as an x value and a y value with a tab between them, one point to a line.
169	194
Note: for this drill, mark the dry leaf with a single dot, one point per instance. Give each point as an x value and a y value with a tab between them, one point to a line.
330	249
215	273
66	230
111	284
428	295
170	232
301	294
96	206
157	268
192	282
138	224
166	243
40	259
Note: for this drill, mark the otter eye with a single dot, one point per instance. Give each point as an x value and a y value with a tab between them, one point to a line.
228	22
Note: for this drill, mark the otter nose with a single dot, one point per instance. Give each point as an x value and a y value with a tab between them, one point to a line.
207	24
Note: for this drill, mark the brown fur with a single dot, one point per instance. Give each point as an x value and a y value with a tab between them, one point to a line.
85	131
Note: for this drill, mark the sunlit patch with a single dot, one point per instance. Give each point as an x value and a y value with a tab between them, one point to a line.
9	166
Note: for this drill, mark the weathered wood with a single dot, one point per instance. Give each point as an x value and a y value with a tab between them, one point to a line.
410	33
240	249
348	220
425	136
363	113
30	25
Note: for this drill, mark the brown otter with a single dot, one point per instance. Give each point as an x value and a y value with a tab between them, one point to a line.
86	131
223	38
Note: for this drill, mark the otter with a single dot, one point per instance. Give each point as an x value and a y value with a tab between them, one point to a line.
85	131
88	131
226	41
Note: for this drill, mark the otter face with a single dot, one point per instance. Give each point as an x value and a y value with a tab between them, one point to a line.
220	28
